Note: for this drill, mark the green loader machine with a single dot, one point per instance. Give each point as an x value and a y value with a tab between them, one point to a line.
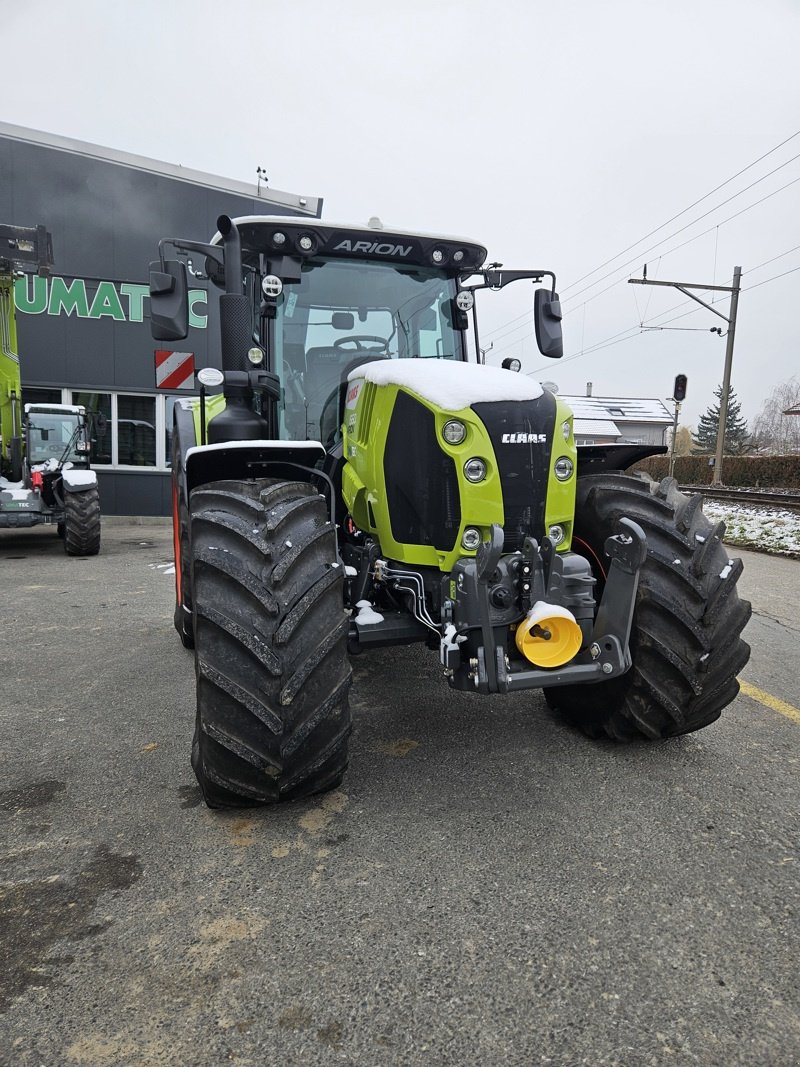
45	475
356	481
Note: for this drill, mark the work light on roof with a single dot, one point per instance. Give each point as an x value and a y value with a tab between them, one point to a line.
458	256
271	285
437	256
465	300
279	239
306	243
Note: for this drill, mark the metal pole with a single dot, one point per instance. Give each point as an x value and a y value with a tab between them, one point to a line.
726	378
674	435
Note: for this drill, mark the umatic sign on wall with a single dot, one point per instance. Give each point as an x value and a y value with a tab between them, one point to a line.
174	370
122	302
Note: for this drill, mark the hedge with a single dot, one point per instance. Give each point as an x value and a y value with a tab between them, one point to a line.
747	472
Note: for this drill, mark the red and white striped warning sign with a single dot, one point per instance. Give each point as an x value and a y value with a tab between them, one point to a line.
174	370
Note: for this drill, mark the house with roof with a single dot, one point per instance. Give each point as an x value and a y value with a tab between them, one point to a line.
608	420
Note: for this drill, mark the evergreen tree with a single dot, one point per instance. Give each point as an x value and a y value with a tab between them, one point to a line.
737	436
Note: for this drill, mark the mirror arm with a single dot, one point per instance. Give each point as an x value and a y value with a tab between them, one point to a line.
212	251
498	279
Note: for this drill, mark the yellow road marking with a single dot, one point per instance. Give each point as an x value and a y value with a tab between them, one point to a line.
770	701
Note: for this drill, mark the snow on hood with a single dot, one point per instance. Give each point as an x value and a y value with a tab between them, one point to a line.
449	384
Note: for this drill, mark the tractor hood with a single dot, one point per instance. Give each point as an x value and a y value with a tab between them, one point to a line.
437	451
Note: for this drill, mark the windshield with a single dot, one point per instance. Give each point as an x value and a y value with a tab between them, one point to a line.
49	435
343	313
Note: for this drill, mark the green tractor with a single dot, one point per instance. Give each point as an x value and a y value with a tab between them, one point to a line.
358	482
45	475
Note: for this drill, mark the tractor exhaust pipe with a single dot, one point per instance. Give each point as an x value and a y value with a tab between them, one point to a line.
234	307
238	421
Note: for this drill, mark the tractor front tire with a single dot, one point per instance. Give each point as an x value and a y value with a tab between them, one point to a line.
685	638
270	637
82	522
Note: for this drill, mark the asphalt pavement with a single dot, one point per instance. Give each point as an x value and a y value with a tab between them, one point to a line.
488	886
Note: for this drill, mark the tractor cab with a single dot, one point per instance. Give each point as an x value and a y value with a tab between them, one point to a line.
306	302
56	434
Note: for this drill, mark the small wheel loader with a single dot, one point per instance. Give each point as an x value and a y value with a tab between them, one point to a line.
45	475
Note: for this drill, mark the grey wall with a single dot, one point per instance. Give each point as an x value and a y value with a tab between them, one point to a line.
106	219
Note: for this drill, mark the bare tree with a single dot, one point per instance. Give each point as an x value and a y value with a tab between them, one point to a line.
773	431
683	441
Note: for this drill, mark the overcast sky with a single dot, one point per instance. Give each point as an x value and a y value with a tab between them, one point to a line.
557	134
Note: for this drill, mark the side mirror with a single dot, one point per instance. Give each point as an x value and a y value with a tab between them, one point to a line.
547	322
169	300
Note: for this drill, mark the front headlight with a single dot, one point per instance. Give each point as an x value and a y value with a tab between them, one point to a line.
454	432
475	470
471	538
563	468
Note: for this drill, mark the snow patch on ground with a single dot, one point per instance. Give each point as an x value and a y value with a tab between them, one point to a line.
766	528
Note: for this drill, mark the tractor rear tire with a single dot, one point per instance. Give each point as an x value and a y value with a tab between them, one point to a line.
270	635
82	522
685	638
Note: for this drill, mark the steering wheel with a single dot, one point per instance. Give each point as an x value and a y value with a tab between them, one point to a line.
330	418
357	340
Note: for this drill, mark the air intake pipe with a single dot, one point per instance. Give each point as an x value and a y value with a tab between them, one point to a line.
238	422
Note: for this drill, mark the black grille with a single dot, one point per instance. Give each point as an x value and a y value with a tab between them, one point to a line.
421	481
524	464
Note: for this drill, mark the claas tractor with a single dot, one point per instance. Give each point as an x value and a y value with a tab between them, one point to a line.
354	477
45	475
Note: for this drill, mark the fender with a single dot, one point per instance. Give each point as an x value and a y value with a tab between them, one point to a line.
78	481
247	459
593	459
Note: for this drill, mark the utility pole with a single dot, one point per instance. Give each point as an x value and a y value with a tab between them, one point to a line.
674	436
684	287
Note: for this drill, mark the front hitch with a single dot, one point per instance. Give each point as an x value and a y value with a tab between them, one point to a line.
482	662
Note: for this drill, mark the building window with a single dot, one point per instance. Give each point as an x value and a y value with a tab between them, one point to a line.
136	431
41	396
98	404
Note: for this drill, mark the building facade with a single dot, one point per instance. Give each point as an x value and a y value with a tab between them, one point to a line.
84	332
606	420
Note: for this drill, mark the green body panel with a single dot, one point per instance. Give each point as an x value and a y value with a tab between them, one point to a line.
9	363
560	507
368	413
214	405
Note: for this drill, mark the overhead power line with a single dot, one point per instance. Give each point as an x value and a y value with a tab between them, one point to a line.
635	331
716	189
699	218
521	320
